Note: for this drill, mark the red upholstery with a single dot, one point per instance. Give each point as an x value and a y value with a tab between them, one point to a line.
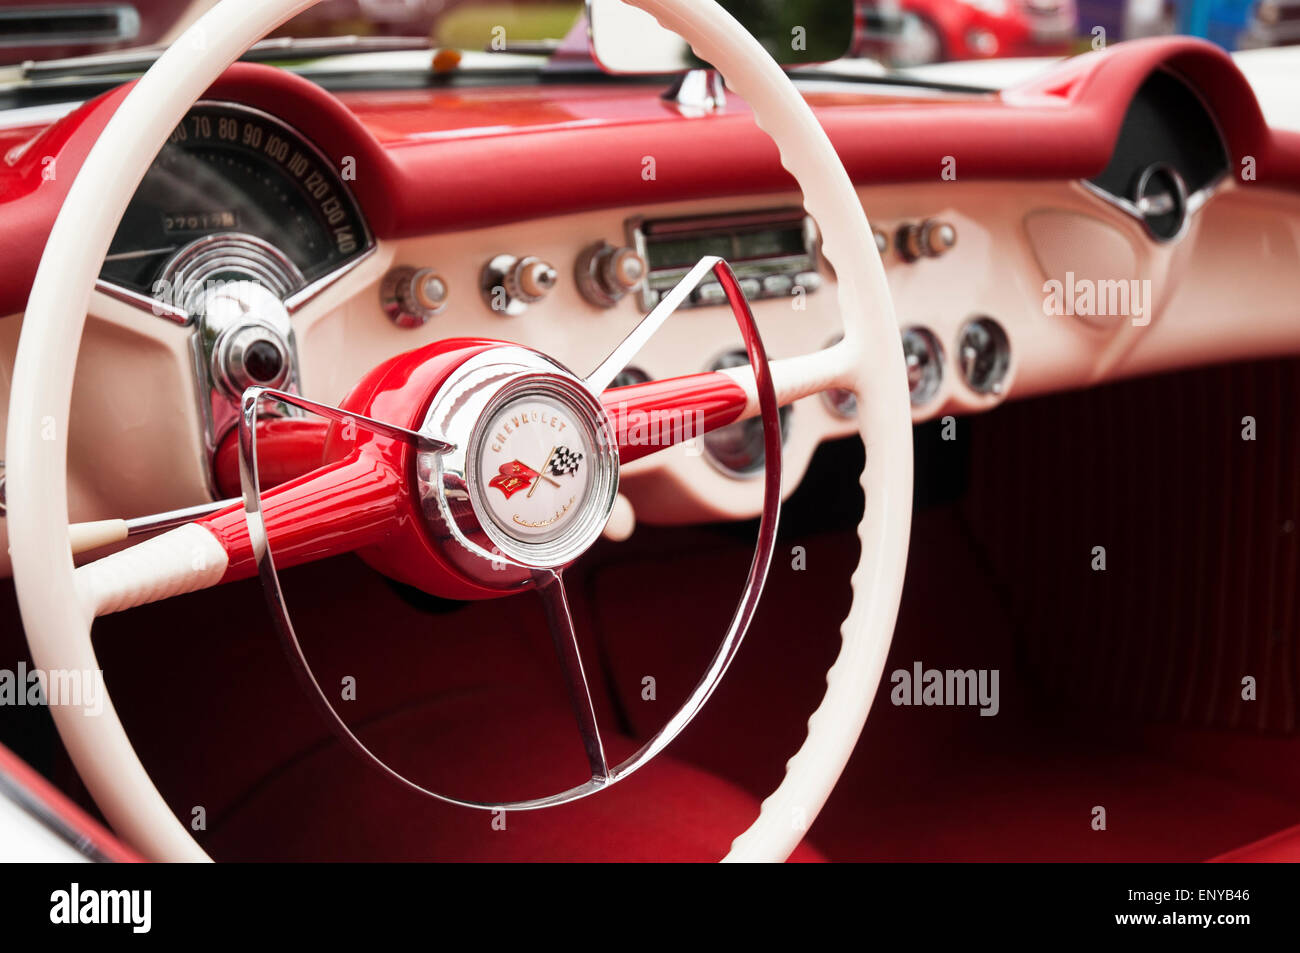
1282	847
669	811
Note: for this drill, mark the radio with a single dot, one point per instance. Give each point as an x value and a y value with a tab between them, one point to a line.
775	253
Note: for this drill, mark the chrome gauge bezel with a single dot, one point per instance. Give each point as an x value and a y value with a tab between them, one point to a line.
931	343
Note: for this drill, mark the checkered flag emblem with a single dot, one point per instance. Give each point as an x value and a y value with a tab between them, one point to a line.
565	462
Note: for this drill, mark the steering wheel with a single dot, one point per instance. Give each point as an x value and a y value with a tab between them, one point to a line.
59	601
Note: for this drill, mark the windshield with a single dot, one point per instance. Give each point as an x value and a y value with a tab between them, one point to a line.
894	33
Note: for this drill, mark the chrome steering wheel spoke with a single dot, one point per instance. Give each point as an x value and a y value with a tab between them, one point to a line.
618	359
559	618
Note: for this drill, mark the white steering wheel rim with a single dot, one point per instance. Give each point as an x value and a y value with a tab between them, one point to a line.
869	361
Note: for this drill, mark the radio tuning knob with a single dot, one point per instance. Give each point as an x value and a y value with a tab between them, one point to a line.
605	273
411	296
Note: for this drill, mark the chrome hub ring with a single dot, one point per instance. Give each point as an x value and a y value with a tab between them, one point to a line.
533	477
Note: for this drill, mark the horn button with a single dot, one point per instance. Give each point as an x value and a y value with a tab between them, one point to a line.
534	473
532	468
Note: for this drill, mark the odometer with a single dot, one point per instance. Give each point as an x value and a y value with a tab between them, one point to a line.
231	170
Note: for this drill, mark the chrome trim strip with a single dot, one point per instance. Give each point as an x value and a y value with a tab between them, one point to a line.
170	519
32	804
194	263
1194	203
154	306
305	294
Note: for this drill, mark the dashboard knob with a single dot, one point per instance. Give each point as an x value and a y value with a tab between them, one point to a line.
882	241
509	284
411	296
251	356
930	239
937	237
250	334
605	273
530	279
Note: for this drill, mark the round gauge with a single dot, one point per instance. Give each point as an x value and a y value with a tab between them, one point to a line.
985	355
738	448
230	171
924	356
1161	198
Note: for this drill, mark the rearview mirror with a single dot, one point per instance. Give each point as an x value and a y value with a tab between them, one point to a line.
795	32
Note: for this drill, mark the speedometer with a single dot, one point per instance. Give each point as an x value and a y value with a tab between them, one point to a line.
230	176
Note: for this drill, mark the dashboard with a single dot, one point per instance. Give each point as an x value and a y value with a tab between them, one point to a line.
382	220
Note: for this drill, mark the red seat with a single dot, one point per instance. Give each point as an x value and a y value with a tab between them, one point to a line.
1282	847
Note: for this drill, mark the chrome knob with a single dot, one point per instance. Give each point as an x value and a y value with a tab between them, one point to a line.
411	296
509	284
930	239
251	331
937	238
530	279
605	273
253	356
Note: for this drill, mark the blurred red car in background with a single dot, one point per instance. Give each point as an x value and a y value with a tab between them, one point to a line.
913	32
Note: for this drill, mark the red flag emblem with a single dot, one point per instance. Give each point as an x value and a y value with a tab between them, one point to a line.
513	477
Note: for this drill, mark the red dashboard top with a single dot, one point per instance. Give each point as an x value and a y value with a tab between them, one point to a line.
413	117
447	159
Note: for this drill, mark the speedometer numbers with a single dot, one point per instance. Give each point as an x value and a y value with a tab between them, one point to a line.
230	170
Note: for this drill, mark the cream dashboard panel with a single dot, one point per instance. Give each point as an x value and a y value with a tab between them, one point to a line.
1228	288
